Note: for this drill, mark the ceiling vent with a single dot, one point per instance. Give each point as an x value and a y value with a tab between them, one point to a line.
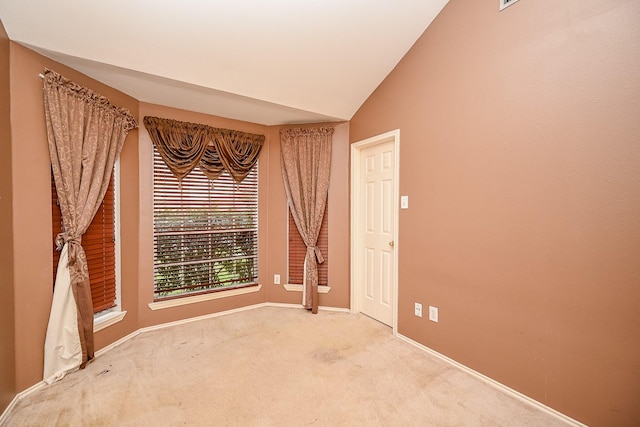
505	3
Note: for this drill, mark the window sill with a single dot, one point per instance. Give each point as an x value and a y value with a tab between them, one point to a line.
204	297
105	320
298	288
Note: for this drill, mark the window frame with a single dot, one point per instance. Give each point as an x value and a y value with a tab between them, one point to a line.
323	244
114	314
109	316
213	292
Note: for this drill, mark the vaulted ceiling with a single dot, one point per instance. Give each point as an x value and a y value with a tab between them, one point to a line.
269	62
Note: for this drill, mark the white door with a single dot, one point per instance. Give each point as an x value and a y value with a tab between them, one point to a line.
377	261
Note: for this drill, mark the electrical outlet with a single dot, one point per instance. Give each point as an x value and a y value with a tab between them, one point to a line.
276	279
418	309
433	314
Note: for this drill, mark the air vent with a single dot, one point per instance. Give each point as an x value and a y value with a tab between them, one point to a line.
505	3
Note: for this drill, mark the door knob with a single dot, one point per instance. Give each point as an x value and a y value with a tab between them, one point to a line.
391	243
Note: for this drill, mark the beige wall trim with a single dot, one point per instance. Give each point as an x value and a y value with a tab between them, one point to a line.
204	297
298	288
334	309
495	384
207	316
322	307
5	415
115	344
167	325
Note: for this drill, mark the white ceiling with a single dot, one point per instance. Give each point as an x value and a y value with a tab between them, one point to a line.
269	62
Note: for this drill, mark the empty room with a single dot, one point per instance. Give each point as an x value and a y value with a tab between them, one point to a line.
255	213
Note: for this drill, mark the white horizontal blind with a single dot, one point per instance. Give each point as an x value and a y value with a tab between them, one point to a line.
205	232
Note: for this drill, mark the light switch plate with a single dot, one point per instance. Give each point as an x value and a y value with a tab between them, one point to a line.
404	202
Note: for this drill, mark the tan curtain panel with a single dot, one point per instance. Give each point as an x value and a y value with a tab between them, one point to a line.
184	146
85	134
305	163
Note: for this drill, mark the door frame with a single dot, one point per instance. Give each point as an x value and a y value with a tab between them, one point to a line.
356	210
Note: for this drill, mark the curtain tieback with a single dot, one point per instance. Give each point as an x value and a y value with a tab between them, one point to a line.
63	238
316	251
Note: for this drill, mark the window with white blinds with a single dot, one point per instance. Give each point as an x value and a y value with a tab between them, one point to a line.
205	232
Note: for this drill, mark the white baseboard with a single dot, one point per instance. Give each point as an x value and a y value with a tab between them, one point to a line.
5	415
321	308
282	305
133	334
495	384
115	344
195	319
335	309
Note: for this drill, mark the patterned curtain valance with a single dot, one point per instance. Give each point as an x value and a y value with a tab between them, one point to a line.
183	146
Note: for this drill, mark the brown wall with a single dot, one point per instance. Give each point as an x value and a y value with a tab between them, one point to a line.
520	154
7	324
33	281
338	221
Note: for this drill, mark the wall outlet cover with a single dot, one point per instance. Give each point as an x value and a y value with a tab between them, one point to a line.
433	314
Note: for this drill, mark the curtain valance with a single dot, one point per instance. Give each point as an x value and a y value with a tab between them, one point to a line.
183	146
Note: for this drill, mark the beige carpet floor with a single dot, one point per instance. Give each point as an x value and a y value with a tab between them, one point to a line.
272	366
